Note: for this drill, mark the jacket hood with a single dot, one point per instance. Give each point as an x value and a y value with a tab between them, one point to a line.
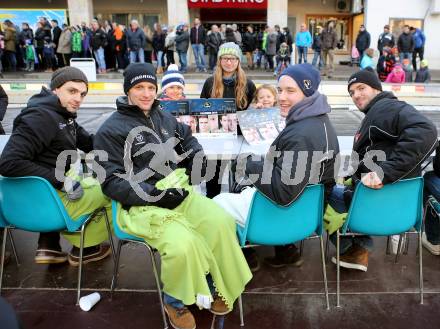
122	106
382	95
48	100
312	106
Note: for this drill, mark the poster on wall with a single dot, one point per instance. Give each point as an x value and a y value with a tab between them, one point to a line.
31	16
261	126
212	117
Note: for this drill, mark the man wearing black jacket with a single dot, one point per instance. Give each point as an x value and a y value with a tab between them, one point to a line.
405	44
150	156
363	40
42	133
303	153
396	129
198	40
56	32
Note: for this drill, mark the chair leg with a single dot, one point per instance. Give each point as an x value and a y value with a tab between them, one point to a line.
218	322
116	268
14	250
407	235
387	252
159	290
338	278
399	247
110	235
420	266
324	272
240	307
2	260
301	247
327	246
81	249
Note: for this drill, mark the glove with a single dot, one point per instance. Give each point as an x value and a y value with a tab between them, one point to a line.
73	189
170	198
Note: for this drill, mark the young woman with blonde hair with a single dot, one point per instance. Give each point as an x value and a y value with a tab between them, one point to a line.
228	81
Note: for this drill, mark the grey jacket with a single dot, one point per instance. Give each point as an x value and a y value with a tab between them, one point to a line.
182	41
271	44
135	39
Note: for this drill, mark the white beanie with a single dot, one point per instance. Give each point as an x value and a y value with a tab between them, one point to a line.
172	77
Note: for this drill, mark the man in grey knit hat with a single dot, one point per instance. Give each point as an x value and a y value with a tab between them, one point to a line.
43	130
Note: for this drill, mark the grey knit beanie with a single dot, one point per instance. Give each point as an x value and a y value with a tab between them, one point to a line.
66	74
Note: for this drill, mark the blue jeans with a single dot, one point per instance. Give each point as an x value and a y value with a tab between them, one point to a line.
183	61
302	53
432	222
159	55
99	55
336	200
176	303
316	56
137	55
405	55
199	55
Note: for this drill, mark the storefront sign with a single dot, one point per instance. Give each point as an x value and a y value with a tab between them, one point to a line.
253	4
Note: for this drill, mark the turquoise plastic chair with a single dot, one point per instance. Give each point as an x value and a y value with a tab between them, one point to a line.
394	209
271	224
32	204
123	236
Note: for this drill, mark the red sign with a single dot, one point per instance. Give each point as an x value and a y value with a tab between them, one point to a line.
252	4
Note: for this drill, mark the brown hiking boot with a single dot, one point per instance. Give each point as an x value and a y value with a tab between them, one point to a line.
180	318
218	306
355	258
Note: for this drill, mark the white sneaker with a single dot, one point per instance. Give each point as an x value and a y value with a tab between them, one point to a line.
432	248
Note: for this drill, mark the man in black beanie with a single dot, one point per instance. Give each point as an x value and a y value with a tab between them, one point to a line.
152	160
405	136
42	132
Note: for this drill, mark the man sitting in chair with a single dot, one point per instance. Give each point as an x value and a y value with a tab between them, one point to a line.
43	130
303	153
396	129
150	156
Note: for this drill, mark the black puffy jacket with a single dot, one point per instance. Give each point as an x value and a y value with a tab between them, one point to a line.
405	43
153	140
98	39
40	133
307	148
363	40
403	133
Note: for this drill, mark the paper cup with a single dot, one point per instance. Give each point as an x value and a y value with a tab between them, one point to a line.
87	302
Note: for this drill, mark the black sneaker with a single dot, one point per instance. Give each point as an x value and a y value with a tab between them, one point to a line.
252	259
285	255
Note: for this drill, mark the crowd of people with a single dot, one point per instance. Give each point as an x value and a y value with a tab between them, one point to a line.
397	61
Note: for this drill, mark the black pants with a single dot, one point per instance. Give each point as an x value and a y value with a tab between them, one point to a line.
170	57
270	61
121	60
147	56
212	60
49	240
213	186
419	51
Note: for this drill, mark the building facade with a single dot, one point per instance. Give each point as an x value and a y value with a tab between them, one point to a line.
349	15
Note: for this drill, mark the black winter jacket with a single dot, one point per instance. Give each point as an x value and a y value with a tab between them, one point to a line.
308	132
40	133
214	42
3	107
135	39
403	133
363	41
249	42
405	43
159	41
98	39
201	37
157	130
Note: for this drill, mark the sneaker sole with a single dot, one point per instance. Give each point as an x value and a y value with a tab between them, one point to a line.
350	265
95	259
427	245
50	260
295	264
171	322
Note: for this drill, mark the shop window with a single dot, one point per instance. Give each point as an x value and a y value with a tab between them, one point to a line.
341	28
396	24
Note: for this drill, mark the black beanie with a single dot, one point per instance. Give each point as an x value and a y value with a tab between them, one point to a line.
139	72
367	76
66	74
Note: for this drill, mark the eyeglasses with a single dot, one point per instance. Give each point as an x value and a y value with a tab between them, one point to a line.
229	59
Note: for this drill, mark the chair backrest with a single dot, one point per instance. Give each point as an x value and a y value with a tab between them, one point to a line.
32	204
271	224
117	230
393	209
